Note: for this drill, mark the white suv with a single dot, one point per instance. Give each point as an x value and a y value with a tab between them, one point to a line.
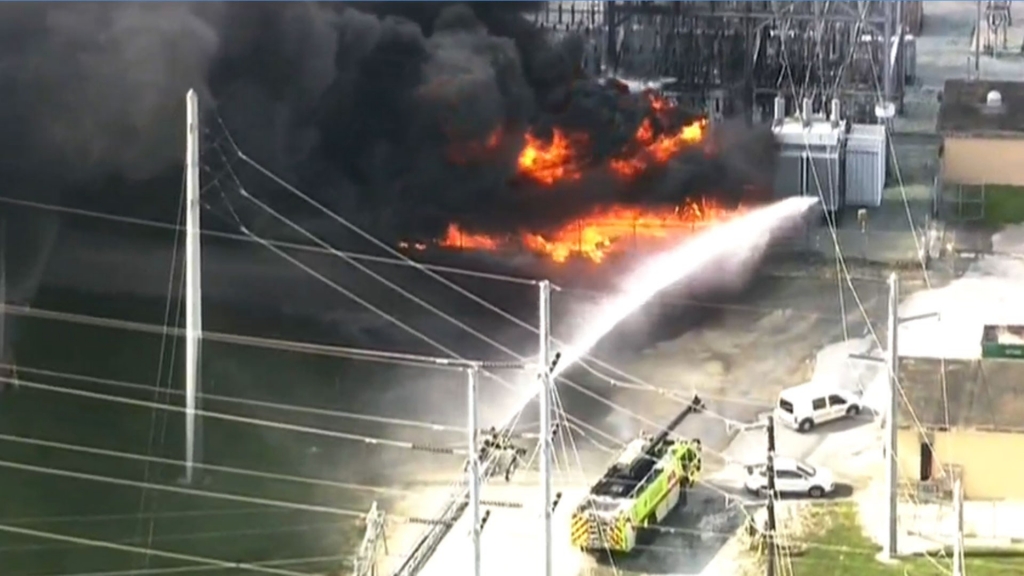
791	477
805	406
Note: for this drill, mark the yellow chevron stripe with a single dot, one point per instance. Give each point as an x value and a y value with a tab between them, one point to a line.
579	531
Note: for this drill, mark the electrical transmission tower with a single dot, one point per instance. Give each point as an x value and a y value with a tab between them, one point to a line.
733	58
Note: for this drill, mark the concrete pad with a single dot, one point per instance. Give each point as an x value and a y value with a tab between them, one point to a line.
512	539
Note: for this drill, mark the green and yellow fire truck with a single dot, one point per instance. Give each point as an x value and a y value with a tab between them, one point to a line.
647	481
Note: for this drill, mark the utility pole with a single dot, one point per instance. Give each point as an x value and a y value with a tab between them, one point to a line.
889	551
474	466
958	543
887	53
977	43
545	419
373	540
892	366
193	290
770	471
900	69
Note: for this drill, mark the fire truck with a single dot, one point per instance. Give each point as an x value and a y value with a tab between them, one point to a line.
648	480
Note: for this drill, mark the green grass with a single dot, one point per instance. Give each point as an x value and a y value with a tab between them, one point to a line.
840	548
183	524
1004	205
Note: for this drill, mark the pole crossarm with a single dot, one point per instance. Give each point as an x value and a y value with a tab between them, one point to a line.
477	364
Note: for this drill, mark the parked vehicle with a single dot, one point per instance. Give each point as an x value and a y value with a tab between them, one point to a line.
805	406
791	477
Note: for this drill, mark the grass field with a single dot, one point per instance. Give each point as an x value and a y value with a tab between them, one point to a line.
48	489
840	548
1004	205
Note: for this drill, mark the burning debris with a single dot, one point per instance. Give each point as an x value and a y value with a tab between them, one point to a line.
460	125
560	161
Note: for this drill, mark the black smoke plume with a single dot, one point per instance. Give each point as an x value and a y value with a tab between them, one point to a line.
359	104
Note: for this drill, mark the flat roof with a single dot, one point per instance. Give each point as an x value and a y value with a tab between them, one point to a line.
1005	335
963	111
981	394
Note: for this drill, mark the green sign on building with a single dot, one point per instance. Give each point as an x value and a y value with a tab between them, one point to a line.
1003	342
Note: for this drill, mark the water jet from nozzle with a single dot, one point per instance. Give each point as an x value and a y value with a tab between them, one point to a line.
738	245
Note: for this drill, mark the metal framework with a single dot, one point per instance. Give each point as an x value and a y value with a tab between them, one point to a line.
372	545
733	58
998	18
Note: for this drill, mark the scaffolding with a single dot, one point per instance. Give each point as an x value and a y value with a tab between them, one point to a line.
734	58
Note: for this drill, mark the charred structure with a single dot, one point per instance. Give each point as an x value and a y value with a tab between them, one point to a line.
733	58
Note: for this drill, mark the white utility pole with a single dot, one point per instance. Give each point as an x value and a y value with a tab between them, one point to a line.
474	467
193	289
889	551
373	540
892	365
545	419
958	543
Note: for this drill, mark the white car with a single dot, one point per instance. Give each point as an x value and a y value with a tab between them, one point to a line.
805	406
791	477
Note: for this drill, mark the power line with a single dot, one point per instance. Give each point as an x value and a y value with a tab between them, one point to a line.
455	321
254	341
396	358
187	569
116	517
217	468
238	419
154	414
212	467
272	528
710	305
399	289
245	402
328	350
405	261
296	227
201	493
841	264
149	551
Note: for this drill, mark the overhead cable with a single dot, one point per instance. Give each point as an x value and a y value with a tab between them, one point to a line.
244	401
254	341
211	467
244	566
201	493
278	243
370	440
205	568
406	293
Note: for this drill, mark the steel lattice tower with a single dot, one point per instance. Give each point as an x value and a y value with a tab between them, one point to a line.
733	58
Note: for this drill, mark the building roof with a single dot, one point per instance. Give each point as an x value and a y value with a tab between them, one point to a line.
985	394
964	112
1005	341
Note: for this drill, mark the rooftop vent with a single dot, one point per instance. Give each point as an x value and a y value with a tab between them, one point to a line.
993	103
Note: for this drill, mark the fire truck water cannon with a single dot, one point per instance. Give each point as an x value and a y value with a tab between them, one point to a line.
646	482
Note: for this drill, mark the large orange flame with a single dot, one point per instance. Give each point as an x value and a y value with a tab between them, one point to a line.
553	161
657	150
594	236
602	232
